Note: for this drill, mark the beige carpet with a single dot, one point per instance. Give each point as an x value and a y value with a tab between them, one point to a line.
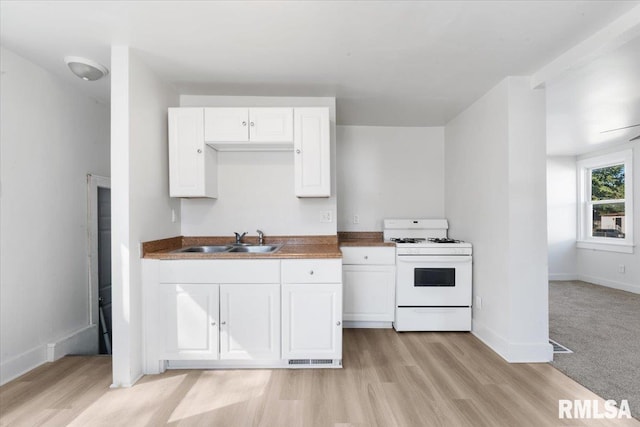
602	327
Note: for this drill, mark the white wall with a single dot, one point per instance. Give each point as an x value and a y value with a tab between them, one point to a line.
561	217
256	189
601	267
495	198
389	172
51	137
141	207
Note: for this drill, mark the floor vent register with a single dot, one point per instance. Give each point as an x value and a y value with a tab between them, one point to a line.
559	348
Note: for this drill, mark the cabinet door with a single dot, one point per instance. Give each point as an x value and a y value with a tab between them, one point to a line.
312	321
369	292
271	124
190	316
249	321
312	136
226	124
192	165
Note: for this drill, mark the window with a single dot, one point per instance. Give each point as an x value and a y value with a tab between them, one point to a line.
605	212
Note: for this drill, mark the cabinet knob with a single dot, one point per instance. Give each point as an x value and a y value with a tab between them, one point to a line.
223	323
298	151
199	151
252	124
213	323
244	123
338	323
311	272
366	257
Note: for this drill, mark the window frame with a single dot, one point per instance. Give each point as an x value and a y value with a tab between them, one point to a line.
585	204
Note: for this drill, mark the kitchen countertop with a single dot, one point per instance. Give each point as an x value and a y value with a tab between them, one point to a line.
294	247
362	238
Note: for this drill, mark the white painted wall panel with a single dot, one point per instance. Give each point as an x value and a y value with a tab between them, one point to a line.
389	172
561	217
52	137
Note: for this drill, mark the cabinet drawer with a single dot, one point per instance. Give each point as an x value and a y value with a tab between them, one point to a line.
368	255
312	271
219	271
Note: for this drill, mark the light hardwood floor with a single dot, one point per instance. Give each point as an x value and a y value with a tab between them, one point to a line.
388	379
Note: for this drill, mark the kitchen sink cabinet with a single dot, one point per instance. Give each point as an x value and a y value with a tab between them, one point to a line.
368	277
238	128
312	150
193	166
241	313
189	321
250	322
311	310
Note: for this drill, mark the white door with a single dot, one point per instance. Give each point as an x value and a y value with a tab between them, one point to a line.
186	152
250	321
190	316
226	124
312	321
312	148
271	124
369	292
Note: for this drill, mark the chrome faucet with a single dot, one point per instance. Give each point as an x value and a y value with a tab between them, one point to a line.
239	237
260	237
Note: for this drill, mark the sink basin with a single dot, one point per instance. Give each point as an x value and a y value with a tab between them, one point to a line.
204	249
256	249
244	248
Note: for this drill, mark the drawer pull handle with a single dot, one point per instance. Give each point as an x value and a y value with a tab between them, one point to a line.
311	272
223	323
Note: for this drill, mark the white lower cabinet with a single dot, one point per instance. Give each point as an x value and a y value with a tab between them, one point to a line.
369	280
312	321
311	309
244	313
189	321
249	321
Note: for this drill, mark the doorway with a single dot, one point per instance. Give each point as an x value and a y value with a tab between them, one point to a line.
99	219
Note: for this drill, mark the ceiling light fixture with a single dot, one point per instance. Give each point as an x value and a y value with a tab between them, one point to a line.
86	69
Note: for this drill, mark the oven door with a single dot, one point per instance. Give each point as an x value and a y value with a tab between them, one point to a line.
433	281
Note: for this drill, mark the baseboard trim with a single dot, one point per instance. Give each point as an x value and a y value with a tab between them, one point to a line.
82	341
610	283
22	363
360	324
563	277
513	352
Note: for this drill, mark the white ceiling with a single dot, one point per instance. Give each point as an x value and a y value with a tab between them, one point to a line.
584	104
400	63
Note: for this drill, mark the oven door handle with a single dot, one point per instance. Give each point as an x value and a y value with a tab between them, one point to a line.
430	259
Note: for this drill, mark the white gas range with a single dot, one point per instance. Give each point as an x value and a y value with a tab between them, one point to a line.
433	279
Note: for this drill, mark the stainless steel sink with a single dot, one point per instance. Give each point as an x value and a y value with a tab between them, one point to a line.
256	249
244	248
205	249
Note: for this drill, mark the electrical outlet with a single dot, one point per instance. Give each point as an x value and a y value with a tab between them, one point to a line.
174	216
478	302
325	216
621	268
356	219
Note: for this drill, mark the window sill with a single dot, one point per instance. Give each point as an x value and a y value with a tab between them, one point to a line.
626	248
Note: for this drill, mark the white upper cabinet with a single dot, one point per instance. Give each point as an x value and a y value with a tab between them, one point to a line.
249	128
193	166
226	124
312	148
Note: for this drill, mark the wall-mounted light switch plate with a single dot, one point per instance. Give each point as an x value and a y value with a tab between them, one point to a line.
325	216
